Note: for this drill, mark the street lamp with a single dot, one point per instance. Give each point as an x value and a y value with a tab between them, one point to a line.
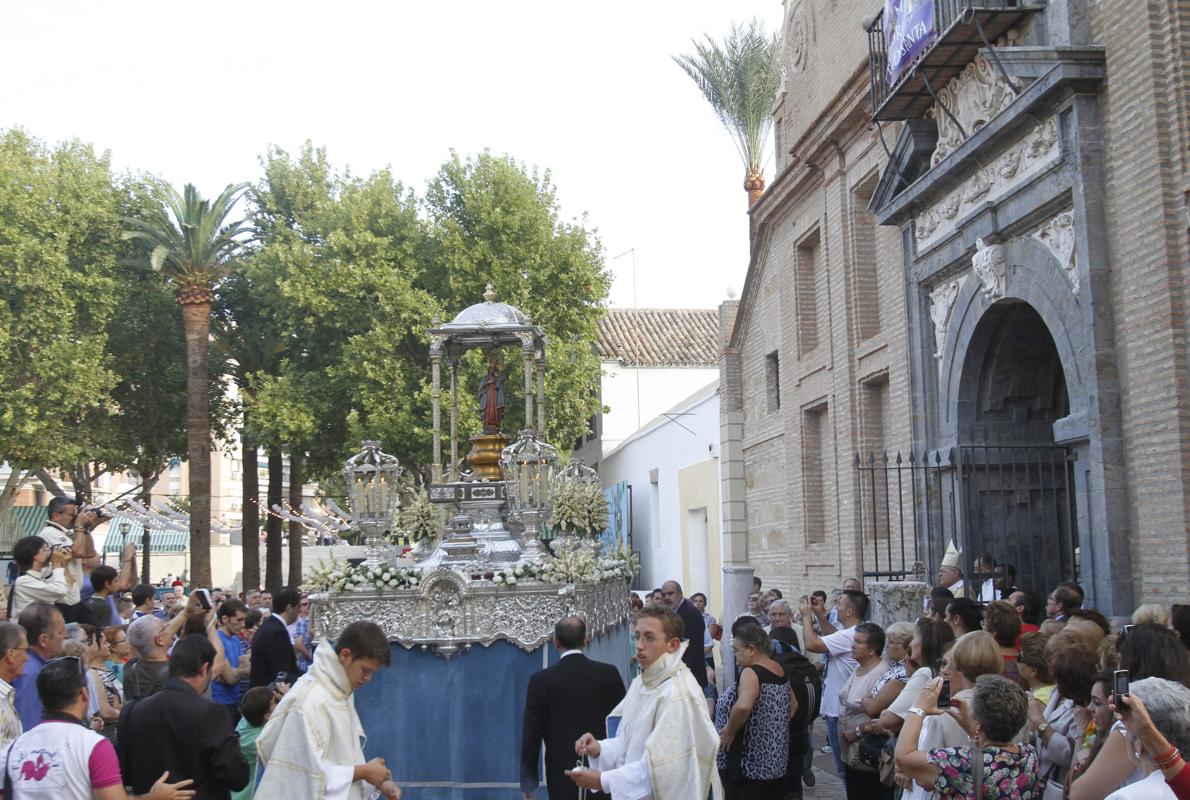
374	494
529	465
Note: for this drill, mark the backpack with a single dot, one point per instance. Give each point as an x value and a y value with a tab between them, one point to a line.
805	681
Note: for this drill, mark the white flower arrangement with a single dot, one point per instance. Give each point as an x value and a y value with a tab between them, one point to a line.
420	519
579	508
338	576
579	566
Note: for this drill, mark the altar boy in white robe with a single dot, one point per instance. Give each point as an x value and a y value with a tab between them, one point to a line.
664	743
313	744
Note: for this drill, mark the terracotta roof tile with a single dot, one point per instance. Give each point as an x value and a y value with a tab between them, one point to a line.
660	337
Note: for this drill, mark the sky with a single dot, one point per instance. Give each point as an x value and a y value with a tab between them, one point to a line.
196	92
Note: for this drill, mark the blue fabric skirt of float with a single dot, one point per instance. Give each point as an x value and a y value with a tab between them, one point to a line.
451	729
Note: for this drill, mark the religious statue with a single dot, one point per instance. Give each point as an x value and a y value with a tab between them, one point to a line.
491	398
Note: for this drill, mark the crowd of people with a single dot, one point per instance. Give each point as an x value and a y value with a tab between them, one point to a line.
998	696
113	689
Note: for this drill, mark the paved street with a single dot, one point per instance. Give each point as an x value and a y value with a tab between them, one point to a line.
827	785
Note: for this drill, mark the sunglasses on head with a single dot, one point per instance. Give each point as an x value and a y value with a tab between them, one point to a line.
78	663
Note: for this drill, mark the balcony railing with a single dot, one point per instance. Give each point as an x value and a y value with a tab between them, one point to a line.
960	29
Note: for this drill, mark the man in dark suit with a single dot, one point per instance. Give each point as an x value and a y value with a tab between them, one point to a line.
696	629
272	649
565	701
180	731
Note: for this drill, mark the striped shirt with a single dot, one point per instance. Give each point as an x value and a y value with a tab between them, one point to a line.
10	720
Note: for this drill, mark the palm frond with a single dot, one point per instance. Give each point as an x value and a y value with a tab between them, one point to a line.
188	238
740	79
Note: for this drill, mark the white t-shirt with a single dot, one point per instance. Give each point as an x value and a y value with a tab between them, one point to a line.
1153	787
56	536
839	666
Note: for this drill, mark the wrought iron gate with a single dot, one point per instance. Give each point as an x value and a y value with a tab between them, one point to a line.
1016	502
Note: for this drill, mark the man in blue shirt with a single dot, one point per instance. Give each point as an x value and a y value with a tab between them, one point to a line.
45	629
226	688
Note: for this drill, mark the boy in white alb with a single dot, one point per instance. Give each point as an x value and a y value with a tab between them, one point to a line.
664	745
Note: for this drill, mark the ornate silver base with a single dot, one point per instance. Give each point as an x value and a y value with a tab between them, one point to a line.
447	614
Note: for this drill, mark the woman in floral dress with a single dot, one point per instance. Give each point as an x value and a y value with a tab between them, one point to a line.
998	709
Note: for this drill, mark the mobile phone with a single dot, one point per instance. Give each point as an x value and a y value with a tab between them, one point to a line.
1120	685
204	598
944	695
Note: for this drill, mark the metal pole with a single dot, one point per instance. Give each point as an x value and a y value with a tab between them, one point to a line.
454	419
541	392
436	401
527	357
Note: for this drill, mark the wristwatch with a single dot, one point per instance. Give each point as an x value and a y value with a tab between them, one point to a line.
917	710
1042	728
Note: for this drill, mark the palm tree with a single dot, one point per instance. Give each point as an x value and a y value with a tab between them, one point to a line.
189	240
740	79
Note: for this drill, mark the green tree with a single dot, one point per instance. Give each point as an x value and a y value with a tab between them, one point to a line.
191	242
344	253
492	219
59	232
740	79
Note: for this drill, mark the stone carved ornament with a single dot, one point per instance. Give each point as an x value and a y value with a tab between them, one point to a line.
1011	168
942	300
1058	236
974	97
797	37
990	265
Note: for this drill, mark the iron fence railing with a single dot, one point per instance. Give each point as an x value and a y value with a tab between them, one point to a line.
1014	502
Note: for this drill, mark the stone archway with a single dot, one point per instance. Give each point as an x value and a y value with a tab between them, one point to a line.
1012	409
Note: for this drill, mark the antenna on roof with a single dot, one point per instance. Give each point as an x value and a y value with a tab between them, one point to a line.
631	250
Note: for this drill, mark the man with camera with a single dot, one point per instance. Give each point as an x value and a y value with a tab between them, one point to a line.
68	529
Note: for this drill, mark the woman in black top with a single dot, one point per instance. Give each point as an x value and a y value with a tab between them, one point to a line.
753	719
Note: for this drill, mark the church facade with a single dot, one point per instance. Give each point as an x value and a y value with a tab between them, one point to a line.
993	217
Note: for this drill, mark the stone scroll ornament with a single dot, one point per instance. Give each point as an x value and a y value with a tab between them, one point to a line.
990	265
1058	236
942	301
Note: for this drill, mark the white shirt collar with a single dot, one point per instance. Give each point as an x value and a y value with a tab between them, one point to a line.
570	653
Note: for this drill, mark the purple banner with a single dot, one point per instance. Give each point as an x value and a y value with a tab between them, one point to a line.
908	31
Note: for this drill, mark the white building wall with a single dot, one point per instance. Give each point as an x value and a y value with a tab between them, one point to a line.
635	395
650	461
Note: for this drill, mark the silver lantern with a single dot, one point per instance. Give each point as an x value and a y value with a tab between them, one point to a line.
372	482
529	466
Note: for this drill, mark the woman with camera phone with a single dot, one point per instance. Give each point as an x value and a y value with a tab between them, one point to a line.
990	765
42	574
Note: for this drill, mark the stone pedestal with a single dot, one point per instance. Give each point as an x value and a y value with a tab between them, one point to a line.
897	601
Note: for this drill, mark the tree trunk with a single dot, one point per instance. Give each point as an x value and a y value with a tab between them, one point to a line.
272	525
196	316
145	498
250	530
754	185
297	459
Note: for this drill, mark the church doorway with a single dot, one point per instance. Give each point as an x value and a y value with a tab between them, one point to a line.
1017	496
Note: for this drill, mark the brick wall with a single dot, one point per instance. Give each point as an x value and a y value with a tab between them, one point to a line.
1146	139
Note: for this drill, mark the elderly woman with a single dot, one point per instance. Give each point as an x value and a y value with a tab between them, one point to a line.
897	641
927	648
1058	727
992	714
1034	666
753	721
1146	651
973	655
867	648
1154	613
1156	713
